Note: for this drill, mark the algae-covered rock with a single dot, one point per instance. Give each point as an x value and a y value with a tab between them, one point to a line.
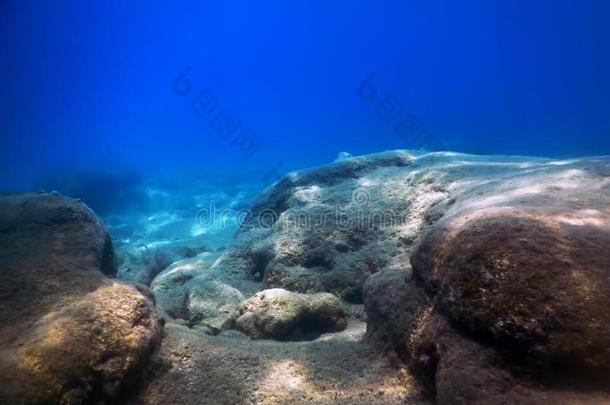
283	315
393	303
496	263
171	286
297	238
187	291
510	288
67	333
539	286
210	303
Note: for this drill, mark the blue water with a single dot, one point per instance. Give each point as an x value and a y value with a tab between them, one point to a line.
93	88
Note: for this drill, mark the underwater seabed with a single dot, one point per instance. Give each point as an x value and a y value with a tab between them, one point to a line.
397	277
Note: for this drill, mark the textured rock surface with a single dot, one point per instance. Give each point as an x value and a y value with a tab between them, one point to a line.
295	238
507	299
142	265
537	286
393	305
283	315
488	276
510	260
68	334
172	285
186	291
211	302
329	228
339	368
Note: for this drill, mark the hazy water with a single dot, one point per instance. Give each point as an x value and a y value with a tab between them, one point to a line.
92	100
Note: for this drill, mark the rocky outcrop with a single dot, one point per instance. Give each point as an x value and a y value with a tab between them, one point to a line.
487	276
296	236
537	285
495	264
283	315
506	301
68	334
186	292
328	229
171	286
393	305
210	303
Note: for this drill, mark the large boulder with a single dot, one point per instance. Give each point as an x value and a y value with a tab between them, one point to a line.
507	298
498	254
68	334
283	315
538	286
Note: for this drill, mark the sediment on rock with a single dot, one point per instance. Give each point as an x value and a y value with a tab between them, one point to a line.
487	276
68	334
283	315
509	289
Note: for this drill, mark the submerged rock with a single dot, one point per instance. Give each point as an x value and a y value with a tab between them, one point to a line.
488	276
283	315
296	237
171	286
393	304
186	291
510	288
535	284
143	265
509	259
210	303
68	334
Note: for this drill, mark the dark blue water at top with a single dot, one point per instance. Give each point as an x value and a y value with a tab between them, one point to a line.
271	86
